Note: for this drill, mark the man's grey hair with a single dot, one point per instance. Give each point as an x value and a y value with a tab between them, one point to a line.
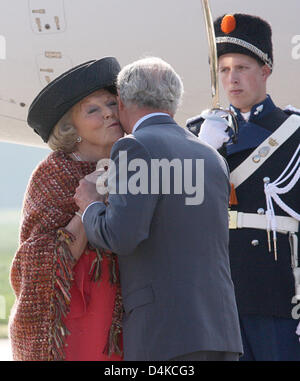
150	82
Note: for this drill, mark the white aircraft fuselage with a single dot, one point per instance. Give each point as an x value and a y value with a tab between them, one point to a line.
40	39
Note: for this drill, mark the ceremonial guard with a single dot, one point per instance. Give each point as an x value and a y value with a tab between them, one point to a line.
265	203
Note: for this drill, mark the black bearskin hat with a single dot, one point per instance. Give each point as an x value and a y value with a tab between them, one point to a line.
244	34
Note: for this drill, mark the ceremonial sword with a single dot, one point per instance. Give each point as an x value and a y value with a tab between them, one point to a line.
212	113
213	58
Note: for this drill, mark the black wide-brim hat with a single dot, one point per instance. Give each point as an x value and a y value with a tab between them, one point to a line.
66	90
244	34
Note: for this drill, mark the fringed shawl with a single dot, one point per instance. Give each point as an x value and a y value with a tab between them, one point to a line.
41	273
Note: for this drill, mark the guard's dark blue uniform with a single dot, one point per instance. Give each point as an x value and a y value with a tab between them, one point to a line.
264	287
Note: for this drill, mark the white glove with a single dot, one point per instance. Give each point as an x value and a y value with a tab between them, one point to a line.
213	129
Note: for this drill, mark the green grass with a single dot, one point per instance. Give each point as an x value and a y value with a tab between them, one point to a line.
9	233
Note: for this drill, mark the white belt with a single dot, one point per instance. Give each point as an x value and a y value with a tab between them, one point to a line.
239	220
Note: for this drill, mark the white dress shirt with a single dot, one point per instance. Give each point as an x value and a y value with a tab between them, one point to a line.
145	118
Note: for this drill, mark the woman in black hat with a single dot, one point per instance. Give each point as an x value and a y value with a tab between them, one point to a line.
68	303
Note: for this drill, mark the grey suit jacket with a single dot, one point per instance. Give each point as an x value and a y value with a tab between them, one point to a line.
175	277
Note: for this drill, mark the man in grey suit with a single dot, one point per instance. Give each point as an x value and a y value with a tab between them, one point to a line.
172	248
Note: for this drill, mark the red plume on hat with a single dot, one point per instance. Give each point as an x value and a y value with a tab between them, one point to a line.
228	24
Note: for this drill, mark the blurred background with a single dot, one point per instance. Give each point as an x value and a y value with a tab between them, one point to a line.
16	165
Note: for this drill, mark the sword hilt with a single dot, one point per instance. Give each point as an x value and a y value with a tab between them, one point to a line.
232	122
194	124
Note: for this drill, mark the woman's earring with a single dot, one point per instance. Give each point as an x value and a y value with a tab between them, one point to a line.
78	140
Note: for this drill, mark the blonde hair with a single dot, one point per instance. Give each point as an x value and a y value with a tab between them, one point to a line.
64	135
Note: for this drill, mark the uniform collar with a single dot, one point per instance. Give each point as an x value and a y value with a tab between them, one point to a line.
258	111
251	134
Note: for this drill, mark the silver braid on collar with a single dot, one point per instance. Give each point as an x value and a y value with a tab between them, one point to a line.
232	40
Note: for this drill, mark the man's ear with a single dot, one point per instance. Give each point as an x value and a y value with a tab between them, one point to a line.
266	72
